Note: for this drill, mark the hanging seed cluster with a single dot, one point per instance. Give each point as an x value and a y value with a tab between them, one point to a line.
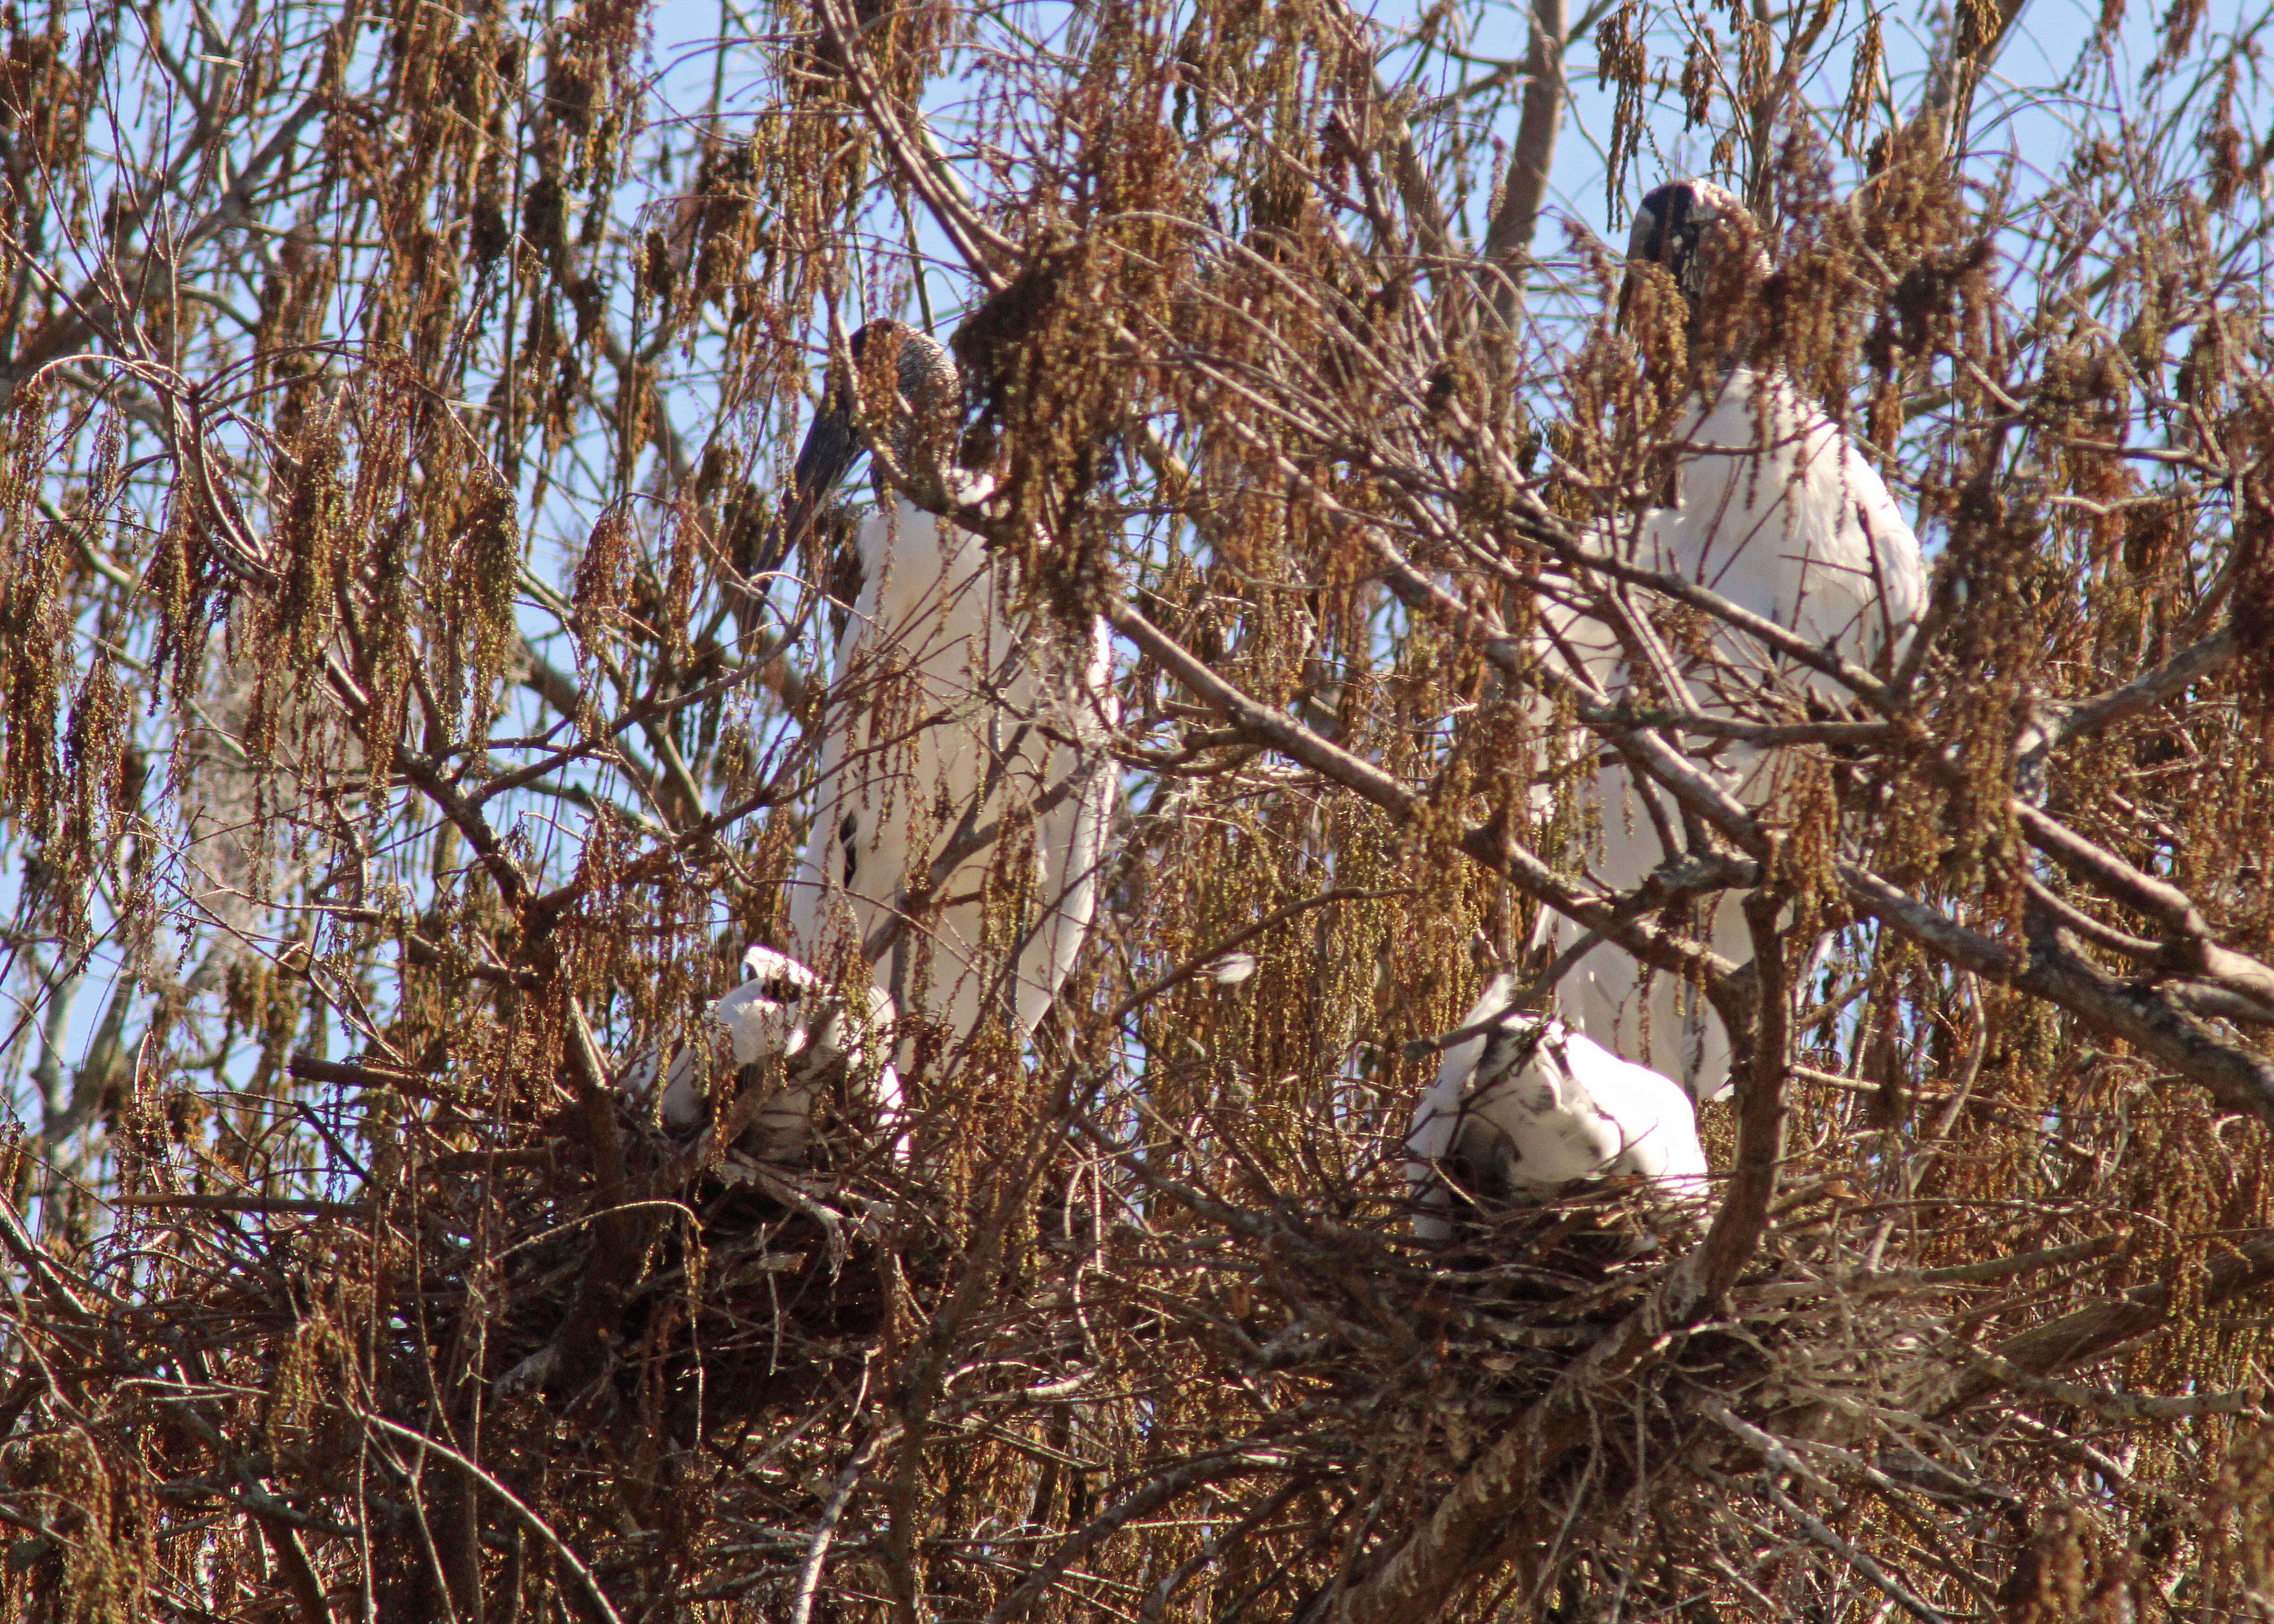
396	746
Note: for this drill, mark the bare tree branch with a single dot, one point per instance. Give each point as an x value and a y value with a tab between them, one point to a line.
1524	185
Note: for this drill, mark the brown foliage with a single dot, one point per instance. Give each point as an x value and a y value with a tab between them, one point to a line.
392	746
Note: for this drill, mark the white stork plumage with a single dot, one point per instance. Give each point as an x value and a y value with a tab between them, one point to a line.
784	1036
1775	509
961	711
1525	1106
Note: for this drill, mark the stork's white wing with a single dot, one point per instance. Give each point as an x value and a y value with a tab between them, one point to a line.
1779	511
953	695
1531	1107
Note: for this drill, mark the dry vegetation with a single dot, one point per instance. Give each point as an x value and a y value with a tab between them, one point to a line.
391	742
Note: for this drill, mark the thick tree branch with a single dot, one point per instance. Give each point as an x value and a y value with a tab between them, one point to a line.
1965	58
2192	951
1157	1494
1742	1216
2074	719
307	1591
987	254
2237	1078
1524	187
1488	844
2090	1333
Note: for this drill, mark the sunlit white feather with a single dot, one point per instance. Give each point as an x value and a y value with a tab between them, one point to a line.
783	1029
965	711
1777	510
1527	1107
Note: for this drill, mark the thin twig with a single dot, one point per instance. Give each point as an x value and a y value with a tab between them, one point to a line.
825	1526
513	1502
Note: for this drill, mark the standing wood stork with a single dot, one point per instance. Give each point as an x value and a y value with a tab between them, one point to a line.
1523	1106
785	1037
1776	509
962	714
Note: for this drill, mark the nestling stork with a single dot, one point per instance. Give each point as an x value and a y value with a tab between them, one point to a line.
784	1037
965	715
1776	509
1525	1106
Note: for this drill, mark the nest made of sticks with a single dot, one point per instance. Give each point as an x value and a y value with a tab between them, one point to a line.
705	1361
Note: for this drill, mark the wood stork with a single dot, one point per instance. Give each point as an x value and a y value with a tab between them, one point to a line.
1776	509
785	1037
962	712
1525	1106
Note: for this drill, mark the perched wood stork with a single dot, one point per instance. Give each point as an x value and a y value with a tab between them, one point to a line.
966	767
1525	1106
761	1064
1776	509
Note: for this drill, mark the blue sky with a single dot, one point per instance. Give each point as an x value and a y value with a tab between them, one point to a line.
2020	113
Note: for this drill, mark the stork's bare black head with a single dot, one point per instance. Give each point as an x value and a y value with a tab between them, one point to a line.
1674	228
925	392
